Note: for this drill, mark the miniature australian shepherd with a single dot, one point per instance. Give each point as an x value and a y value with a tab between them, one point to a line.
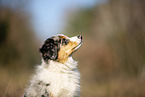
58	75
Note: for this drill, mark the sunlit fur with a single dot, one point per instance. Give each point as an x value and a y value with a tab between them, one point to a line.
63	80
65	51
60	77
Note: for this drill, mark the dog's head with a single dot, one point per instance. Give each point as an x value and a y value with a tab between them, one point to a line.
60	47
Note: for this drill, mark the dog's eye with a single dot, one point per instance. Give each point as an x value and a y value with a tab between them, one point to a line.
65	41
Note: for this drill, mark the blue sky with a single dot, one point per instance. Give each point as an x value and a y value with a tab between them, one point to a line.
48	16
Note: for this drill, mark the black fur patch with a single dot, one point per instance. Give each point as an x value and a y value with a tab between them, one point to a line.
64	41
50	49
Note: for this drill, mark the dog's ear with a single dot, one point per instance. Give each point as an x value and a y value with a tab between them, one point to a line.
49	50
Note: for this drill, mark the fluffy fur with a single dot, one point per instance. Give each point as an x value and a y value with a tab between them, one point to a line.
58	75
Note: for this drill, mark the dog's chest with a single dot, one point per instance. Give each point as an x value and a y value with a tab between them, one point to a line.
61	84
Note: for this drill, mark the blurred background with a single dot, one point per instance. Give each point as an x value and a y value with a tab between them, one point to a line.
111	59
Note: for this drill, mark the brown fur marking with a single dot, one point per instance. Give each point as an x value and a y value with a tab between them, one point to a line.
65	51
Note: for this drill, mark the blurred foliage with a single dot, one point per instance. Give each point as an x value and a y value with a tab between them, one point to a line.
18	44
112	58
18	51
82	22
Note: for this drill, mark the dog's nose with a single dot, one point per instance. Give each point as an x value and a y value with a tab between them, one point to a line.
79	36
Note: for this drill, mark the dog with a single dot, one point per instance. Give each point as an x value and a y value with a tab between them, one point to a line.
58	75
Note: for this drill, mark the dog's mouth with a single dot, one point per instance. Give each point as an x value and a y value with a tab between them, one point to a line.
78	46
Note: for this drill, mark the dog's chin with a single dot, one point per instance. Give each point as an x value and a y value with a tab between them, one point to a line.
76	48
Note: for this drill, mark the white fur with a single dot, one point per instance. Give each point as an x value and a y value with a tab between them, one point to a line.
63	80
75	39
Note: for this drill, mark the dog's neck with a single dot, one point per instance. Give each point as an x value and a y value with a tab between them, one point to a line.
55	66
